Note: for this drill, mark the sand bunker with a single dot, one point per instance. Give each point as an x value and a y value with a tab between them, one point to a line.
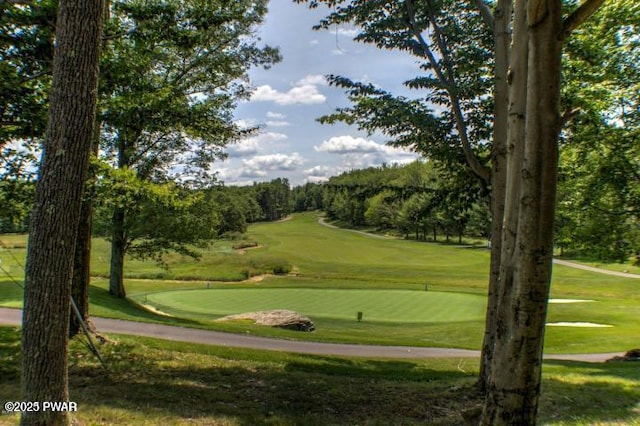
155	311
569	300
577	324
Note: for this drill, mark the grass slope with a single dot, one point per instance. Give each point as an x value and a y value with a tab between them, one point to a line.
154	382
334	259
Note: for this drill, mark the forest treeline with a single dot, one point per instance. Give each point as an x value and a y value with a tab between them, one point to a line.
422	200
597	212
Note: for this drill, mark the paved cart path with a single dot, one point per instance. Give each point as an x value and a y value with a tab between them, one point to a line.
322	221
14	317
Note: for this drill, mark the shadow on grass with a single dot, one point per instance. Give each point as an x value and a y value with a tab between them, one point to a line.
104	304
153	384
591	393
261	394
10	292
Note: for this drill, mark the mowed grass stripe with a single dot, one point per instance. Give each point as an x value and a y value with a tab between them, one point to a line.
376	305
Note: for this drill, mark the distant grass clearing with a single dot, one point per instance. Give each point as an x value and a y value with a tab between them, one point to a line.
376	305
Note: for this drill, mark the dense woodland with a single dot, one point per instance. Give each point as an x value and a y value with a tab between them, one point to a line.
424	200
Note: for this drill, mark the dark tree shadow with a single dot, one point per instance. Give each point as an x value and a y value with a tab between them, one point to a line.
206	384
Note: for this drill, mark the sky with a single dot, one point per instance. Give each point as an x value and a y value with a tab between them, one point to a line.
291	95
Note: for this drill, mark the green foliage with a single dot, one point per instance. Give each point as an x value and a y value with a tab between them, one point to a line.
415	200
452	47
170	80
307	197
26	54
599	191
160	217
171	76
274	198
16	199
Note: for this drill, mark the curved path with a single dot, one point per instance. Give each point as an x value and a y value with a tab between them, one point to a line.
592	269
323	222
209	337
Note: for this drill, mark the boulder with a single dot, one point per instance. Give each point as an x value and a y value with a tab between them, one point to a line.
632	355
280	318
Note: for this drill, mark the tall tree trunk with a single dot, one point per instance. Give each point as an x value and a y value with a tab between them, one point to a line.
81	277
81	269
525	274
502	43
56	211
118	250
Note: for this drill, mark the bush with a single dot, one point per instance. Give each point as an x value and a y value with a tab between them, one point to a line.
282	269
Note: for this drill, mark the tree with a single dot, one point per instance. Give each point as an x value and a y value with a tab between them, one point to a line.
26	54
382	210
273	198
599	192
170	79
57	207
527	77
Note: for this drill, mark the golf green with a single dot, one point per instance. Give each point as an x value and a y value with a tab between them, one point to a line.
376	305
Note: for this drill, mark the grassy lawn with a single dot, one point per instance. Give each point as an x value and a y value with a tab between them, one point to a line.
378	305
336	273
154	382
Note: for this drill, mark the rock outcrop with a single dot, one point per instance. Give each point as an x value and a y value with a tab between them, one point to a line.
281	318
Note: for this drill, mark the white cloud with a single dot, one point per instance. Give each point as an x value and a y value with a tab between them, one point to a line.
276	115
357	153
318	174
321	171
307	94
273	162
275	123
348	32
312	79
348	145
254	144
251	173
245	123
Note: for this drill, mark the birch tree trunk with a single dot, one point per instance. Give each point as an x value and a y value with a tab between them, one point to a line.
56	210
501	26
527	241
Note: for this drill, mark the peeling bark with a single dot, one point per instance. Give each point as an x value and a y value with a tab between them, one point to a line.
525	273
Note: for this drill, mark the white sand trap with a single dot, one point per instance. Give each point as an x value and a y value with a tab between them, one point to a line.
155	311
569	300
577	324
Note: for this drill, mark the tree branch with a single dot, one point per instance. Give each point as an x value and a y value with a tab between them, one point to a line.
569	115
485	12
448	82
581	14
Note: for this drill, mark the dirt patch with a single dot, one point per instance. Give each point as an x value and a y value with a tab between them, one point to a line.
256	278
